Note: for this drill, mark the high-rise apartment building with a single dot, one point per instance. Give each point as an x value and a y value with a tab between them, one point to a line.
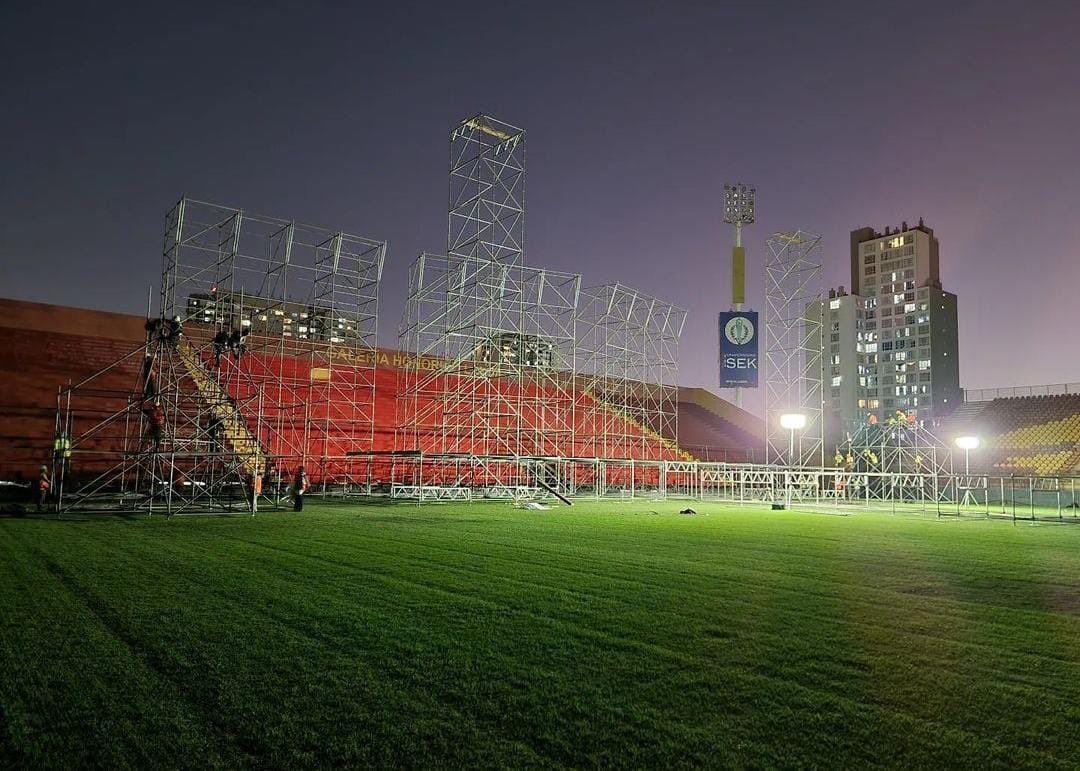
891	344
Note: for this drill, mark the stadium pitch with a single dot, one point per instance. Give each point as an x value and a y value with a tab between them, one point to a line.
604	634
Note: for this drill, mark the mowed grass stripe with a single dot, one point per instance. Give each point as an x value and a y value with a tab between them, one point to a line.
64	686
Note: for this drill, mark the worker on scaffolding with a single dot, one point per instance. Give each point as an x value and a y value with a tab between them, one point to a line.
300	486
214	430
221	342
155	424
237	343
149	384
171	331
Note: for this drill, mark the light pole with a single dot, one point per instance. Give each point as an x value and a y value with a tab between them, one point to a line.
792	421
738	211
967	444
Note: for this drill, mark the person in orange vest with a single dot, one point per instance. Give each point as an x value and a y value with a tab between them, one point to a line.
255	485
43	488
300	485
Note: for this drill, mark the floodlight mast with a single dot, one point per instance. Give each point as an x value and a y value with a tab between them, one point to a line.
738	211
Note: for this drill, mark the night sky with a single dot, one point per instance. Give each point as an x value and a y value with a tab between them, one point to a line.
636	114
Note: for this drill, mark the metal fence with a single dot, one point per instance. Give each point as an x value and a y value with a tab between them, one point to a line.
988	394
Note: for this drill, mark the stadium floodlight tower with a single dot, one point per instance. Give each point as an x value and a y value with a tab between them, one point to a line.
738	211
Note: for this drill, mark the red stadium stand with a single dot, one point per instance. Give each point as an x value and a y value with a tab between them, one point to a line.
51	346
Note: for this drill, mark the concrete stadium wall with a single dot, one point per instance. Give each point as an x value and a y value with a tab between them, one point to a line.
43	348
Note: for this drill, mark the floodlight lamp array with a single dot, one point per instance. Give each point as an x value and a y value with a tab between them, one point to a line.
739	203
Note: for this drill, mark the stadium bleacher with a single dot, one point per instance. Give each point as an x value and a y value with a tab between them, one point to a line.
1037	435
48	346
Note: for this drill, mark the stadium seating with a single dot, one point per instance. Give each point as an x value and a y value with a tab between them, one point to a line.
712	429
1037	435
47	347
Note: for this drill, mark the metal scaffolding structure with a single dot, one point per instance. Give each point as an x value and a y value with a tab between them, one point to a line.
515	369
628	360
492	359
793	357
897	445
261	360
487	191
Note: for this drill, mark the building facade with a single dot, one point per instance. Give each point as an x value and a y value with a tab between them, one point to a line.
891	344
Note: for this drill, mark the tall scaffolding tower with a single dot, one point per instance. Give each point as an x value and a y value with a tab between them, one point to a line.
487	191
793	356
496	347
490	341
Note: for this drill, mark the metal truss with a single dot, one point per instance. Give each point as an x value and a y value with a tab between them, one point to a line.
154	432
628	348
492	359
507	361
793	357
305	299
261	360
894	446
487	191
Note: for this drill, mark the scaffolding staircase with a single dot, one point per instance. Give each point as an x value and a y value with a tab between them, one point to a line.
234	429
622	415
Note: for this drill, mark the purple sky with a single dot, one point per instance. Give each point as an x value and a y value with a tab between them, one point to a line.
964	113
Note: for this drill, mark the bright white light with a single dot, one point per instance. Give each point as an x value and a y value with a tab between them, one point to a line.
967	442
793	421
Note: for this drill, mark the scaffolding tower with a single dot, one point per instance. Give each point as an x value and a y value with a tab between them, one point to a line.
793	356
496	348
898	445
487	191
261	360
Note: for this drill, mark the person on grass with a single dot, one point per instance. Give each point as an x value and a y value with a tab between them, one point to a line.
300	485
44	483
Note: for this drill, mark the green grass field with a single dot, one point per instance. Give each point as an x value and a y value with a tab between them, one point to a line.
606	634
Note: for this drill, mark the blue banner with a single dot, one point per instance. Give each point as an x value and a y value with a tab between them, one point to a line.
739	349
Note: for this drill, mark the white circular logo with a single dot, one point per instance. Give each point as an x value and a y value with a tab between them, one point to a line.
739	331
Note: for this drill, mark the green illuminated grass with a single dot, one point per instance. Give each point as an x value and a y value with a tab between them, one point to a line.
605	634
